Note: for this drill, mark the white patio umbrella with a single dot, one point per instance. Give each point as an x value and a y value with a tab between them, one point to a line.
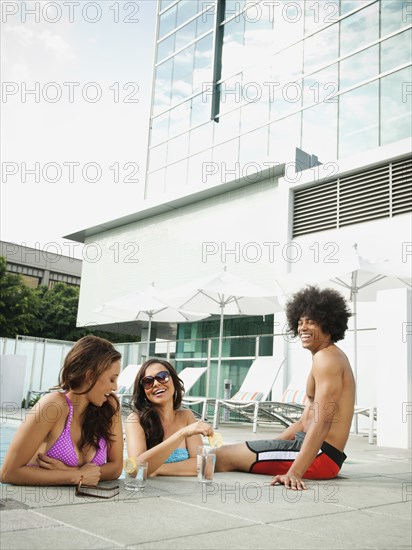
225	294
146	305
359	276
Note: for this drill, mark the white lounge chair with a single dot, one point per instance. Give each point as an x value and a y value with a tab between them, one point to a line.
190	375
253	392
125	381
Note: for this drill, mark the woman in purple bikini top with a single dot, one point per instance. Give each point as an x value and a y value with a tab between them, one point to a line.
86	422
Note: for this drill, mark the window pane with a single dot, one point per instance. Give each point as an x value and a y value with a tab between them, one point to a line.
358	120
348	5
183	74
232	54
166	47
227	127
358	67
286	97
179	119
396	106
167	22
288	23
319	13
321	48
178	148
259	36
359	29
176	176
165	3
287	65
160	129
201	138
396	51
163	83
185	35
321	143
204	22
253	148
284	137
321	86
225	156
157	157
232	7
203	63
186	10
201	108
230	94
395	14
254	114
155	184
200	168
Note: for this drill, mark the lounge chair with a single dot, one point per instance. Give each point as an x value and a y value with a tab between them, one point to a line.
190	375
253	392
125	381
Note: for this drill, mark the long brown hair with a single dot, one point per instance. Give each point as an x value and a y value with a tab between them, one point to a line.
148	416
94	354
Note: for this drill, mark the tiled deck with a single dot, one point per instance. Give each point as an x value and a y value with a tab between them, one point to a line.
368	506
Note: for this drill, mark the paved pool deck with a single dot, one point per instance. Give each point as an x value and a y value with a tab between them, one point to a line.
368	506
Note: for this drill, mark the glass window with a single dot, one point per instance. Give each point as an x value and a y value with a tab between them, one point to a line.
160	129
348	5
321	86
396	51
202	73
232	54
258	37
288	23
358	120
178	148
201	108
227	127
200	168
253	148
226	156
359	29
162	86
157	157
166	47
232	7
358	67
201	138
322	143
205	22
286	98
176	176
287	65
254	113
284	137
230	94
167	21
395	14
319	13
183	74
396	106
179	119
186	9
321	48
155	184
165	3
185	35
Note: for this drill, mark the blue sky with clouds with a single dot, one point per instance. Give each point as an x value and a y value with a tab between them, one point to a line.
84	130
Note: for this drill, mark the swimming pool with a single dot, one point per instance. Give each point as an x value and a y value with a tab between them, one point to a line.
7	432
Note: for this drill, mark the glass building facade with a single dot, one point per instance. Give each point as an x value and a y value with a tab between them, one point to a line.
247	82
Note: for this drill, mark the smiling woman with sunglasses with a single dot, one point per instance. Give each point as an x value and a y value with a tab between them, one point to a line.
158	430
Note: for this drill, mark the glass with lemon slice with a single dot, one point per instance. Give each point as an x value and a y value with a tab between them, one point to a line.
206	458
135	474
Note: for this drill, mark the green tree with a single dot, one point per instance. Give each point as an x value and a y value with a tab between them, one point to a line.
18	304
57	312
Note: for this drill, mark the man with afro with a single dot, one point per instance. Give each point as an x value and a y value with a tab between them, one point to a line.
312	447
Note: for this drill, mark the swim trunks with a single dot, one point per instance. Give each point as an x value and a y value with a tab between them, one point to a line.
63	449
276	456
178	455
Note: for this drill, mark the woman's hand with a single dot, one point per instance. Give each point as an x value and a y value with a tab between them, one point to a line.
198	428
91	474
45	461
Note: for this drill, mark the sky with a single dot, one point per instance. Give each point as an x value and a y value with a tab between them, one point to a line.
75	108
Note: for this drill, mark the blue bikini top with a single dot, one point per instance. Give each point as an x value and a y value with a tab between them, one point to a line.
178	455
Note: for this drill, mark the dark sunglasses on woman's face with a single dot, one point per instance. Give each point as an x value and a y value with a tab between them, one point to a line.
163	377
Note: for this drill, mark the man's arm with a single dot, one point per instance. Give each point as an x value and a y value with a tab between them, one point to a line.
320	415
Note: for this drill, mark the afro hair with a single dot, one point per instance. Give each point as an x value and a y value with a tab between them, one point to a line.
327	307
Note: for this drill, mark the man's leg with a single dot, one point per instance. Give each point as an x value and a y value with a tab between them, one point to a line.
235	457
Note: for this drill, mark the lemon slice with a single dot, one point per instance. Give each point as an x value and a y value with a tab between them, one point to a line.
130	466
216	440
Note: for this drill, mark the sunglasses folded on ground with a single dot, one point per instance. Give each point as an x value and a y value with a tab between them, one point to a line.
97	491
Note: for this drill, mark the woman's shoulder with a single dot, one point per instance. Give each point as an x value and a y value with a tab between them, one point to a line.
186	416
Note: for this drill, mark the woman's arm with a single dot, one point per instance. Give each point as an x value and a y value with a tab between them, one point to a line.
32	432
136	442
113	468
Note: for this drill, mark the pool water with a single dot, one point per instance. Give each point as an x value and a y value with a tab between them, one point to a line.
6	435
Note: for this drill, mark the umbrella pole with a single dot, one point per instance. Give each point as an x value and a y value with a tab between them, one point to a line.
149	330
219	353
355	343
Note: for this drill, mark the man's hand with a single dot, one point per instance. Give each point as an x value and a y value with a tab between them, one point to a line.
290	481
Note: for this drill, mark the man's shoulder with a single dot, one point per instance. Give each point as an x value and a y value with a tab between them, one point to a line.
331	357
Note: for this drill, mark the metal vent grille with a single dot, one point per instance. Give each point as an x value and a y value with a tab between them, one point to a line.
380	192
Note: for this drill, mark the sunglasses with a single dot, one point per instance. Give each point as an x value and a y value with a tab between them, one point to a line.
96	491
163	377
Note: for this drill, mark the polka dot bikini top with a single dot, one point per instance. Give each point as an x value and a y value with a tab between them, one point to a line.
63	449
